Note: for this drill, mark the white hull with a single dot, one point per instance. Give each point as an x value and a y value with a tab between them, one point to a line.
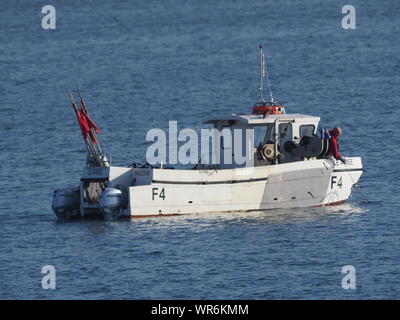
290	185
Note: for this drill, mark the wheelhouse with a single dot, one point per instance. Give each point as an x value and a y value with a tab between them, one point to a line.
271	139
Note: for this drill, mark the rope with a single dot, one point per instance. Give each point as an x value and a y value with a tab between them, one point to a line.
355	185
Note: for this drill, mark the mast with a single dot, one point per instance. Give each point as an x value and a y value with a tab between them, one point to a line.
266	108
263	74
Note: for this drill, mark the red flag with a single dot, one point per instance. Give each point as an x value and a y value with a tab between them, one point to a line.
83	124
90	122
85	113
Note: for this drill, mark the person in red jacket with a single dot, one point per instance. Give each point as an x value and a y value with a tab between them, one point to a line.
333	149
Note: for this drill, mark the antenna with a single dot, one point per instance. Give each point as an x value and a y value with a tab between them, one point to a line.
263	74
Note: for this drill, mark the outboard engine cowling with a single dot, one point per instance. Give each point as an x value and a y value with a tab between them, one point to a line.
112	202
66	203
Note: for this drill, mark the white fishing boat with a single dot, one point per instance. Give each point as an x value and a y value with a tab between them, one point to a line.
287	167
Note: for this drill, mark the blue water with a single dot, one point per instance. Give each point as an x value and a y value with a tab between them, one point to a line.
141	63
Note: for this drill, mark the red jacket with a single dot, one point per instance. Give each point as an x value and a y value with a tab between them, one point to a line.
333	145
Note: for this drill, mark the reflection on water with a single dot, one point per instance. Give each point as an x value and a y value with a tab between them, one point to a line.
203	220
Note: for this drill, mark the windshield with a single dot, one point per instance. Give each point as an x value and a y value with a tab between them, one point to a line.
259	135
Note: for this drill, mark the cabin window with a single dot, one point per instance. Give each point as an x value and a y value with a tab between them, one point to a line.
285	132
307	130
270	135
259	135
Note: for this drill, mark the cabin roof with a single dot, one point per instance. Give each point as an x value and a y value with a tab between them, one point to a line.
259	119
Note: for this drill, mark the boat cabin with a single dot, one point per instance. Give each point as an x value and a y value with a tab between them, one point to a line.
272	139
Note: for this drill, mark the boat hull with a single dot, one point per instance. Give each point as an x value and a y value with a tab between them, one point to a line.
292	185
164	192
